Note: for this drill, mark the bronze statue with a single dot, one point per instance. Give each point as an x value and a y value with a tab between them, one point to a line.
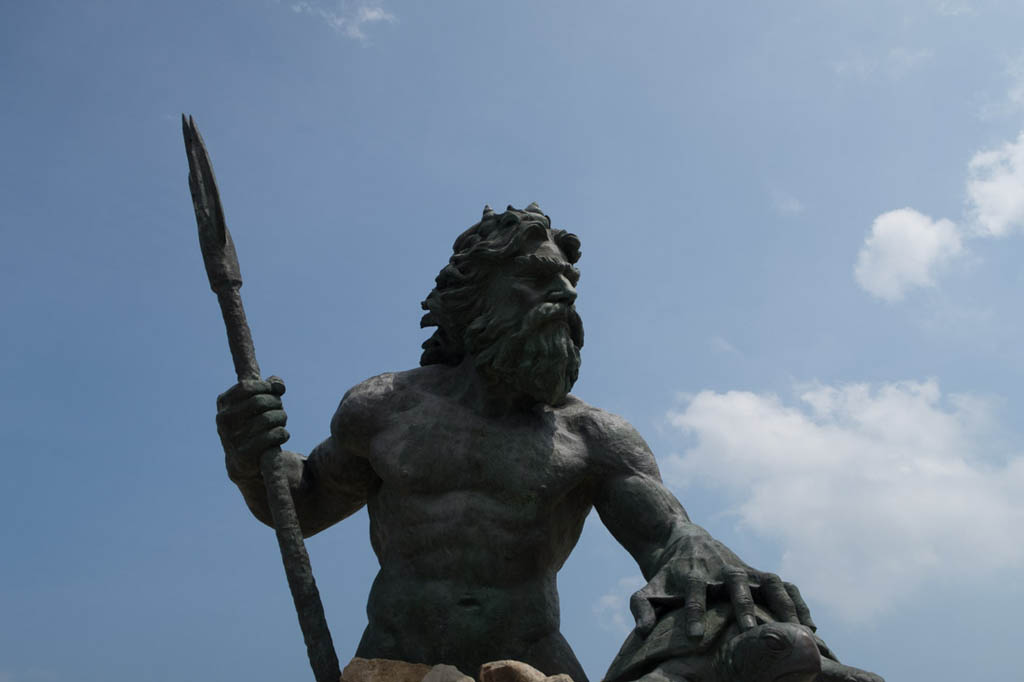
478	470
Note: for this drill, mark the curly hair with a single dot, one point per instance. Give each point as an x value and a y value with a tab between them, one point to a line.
456	299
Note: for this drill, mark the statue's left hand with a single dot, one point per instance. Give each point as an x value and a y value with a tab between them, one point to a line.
697	568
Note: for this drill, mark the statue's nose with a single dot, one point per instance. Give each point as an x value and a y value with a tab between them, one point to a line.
562	291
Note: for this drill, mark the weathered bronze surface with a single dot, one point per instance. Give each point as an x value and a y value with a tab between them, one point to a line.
478	470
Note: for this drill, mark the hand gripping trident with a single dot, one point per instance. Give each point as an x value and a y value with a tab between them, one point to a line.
225	280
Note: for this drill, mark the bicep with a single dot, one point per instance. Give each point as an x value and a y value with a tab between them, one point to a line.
631	499
335	484
340	470
337	478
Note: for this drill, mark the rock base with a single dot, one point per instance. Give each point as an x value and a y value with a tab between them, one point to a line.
386	670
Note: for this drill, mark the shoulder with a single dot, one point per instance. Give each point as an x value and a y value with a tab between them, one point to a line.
600	426
368	403
614	444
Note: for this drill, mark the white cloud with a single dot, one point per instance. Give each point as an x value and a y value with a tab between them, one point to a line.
995	189
346	18
612	608
905	249
872	493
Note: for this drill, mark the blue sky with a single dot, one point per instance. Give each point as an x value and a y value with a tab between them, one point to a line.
801	227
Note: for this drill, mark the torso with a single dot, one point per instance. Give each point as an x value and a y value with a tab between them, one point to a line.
471	521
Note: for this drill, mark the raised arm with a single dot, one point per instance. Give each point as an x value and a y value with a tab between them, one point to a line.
331	484
682	563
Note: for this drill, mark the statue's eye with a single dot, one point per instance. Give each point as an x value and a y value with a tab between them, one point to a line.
774	641
535	270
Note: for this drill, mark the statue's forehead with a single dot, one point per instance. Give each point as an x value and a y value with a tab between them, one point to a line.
542	246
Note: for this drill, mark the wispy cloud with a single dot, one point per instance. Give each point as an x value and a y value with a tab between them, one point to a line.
612	608
855	65
347	18
1009	102
871	492
905	250
897	63
786	204
953	8
1015	91
720	345
901	61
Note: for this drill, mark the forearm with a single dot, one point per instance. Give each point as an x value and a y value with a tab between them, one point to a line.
652	524
254	489
645	518
680	560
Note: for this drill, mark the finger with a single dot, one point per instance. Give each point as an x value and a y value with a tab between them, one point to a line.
777	599
695	607
265	422
643	613
243	390
271	439
802	612
738	584
247	433
261	402
276	384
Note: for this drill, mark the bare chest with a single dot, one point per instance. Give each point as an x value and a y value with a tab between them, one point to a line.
439	449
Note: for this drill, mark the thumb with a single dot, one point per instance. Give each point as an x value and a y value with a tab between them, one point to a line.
276	385
643	613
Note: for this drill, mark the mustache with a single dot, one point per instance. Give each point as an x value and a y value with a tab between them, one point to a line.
547	313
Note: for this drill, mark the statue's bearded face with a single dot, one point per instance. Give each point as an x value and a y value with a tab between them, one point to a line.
528	336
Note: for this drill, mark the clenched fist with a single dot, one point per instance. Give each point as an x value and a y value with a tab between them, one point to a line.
250	421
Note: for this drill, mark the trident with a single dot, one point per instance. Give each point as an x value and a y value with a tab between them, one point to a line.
225	280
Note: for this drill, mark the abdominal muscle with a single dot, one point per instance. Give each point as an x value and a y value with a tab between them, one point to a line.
465	579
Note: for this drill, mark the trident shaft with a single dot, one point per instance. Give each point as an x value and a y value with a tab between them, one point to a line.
225	280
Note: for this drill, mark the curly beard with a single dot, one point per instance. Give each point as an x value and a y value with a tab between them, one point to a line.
539	357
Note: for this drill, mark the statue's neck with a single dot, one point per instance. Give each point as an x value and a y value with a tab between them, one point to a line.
489	398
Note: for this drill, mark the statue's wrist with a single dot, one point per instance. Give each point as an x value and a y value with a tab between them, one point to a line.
681	543
243	475
686	534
